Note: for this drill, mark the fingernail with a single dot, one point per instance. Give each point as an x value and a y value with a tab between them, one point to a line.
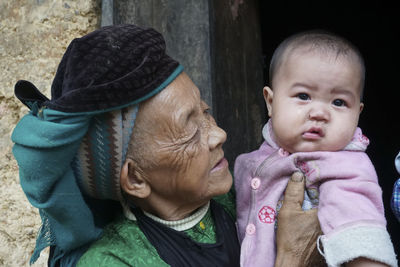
297	177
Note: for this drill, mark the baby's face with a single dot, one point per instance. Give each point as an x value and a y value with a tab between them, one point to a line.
315	102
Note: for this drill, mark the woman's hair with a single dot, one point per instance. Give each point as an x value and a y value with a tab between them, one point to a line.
316	40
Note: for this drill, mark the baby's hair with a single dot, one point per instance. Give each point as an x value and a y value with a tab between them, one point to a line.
320	40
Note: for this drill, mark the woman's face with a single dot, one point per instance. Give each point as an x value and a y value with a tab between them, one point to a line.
185	144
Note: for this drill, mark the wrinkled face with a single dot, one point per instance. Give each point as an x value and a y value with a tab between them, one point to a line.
186	145
315	102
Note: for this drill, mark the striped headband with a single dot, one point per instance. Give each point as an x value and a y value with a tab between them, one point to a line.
97	165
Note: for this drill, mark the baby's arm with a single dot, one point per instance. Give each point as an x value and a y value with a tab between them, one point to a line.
351	213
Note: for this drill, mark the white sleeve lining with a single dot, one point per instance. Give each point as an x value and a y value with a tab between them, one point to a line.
372	242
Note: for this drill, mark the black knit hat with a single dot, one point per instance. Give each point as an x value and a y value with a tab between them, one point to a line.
110	67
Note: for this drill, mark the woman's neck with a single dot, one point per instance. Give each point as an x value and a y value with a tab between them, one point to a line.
167	210
185	223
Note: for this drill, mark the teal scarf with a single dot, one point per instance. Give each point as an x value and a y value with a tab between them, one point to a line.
46	142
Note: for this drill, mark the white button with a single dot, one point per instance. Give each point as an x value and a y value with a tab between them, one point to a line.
255	183
283	152
250	229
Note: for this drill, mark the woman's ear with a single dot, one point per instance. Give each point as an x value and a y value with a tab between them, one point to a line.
268	97
132	180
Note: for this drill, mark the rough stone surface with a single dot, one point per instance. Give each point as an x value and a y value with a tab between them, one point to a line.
33	38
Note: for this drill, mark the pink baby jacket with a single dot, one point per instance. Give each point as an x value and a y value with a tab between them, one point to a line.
342	184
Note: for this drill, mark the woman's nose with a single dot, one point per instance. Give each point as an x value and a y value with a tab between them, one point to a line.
216	137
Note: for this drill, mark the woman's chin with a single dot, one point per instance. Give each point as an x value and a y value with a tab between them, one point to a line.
222	184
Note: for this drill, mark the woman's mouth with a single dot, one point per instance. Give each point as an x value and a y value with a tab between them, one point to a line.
223	163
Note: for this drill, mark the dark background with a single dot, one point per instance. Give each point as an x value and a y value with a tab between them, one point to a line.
374	29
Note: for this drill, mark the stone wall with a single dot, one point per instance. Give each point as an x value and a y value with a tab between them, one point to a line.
33	37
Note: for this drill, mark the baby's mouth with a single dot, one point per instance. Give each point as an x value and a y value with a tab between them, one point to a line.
314	133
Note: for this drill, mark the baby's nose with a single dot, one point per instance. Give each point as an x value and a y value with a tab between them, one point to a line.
319	113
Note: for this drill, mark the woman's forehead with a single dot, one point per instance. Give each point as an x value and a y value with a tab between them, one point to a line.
175	103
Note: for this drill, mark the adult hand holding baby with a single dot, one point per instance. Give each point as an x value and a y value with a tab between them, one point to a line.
297	250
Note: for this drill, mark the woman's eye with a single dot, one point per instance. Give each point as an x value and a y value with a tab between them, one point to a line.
207	110
303	96
207	113
338	102
196	136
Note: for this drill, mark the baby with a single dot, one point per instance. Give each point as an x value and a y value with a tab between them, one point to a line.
314	103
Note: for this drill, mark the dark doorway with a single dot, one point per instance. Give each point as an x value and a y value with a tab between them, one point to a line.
374	29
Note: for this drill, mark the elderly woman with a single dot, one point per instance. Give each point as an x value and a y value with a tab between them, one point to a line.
126	141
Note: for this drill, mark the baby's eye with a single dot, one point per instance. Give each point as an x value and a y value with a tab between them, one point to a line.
303	96
339	102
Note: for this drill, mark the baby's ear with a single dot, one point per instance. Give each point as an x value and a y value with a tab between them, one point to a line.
132	181
268	97
361	106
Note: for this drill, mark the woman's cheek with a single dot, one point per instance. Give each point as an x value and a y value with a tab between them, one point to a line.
191	151
183	155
